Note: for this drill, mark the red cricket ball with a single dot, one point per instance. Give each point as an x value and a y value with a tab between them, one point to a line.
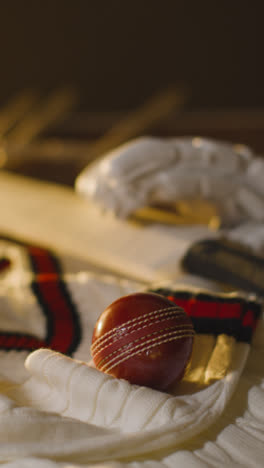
143	338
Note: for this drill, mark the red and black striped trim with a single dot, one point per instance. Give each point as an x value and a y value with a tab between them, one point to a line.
63	329
63	332
19	341
217	314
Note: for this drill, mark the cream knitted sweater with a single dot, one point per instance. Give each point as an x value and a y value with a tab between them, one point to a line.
55	410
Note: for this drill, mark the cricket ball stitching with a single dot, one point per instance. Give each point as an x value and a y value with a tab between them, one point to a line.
174	311
97	349
172	327
175	338
176	333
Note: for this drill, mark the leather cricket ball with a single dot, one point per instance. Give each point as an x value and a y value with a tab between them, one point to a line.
143	338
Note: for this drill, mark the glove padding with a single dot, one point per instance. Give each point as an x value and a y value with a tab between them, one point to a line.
149	170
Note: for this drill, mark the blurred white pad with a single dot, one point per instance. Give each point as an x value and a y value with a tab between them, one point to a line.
150	170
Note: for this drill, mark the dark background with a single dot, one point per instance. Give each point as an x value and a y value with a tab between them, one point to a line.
118	52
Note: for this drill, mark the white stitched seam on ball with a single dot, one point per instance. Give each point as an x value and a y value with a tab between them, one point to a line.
162	318
146	348
176	334
172	309
182	327
146	316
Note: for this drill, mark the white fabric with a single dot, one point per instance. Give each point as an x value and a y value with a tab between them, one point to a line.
152	170
250	234
56	411
65	410
121	420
